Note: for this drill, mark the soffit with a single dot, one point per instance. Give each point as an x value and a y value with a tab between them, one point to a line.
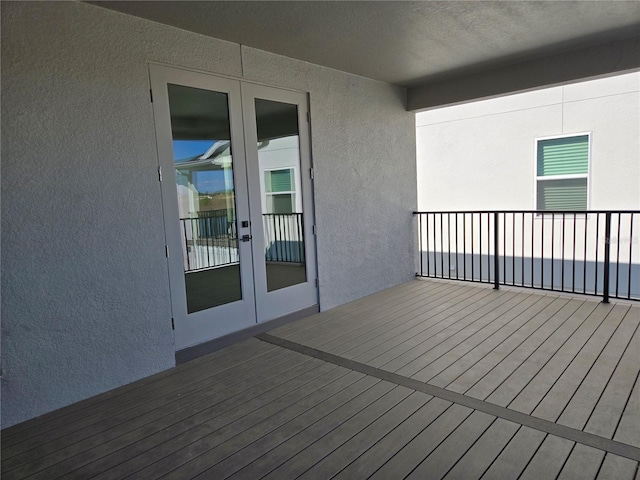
404	43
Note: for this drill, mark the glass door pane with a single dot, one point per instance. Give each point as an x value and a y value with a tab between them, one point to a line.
203	164
281	193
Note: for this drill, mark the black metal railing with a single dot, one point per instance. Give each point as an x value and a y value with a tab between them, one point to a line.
284	237
586	252
209	240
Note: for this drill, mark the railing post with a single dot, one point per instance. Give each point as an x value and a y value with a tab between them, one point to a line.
607	256
496	253
420	243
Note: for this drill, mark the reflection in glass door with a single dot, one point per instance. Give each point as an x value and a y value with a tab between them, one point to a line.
236	202
203	162
278	157
281	193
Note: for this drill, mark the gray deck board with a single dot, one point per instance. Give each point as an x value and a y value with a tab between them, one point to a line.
417	310
522	352
279	427
372	337
447	454
458	327
526	370
628	430
579	409
106	437
618	468
269	409
125	412
515	457
554	402
549	459
455	348
340	457
403	462
613	400
384	302
334	433
583	462
380	453
134	392
544	380
517	318
534	318
405	347
143	451
484	451
366	438
250	427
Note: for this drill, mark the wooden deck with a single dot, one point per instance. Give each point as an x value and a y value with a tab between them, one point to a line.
426	380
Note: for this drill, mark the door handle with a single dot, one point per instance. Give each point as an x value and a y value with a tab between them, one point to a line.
246	238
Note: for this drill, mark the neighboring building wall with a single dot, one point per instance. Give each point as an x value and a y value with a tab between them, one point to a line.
85	295
481	155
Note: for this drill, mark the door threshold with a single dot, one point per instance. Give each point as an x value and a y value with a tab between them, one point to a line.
191	353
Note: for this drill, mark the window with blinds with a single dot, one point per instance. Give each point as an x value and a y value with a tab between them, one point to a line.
562	173
280	191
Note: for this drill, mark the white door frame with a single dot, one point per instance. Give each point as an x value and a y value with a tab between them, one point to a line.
194	328
274	304
257	304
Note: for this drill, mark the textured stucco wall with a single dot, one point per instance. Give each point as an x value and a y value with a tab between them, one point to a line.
481	155
85	297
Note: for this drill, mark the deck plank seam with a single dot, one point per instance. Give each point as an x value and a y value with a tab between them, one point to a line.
430	326
459	343
497	456
371	421
394	326
451	325
545	426
584	350
613	372
390	316
568	364
517	321
591	367
252	411
517	346
501	342
615	432
174	412
480	331
536	351
73	428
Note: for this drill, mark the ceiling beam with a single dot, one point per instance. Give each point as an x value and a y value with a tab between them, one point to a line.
601	60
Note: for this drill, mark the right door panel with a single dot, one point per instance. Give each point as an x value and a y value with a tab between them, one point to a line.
278	168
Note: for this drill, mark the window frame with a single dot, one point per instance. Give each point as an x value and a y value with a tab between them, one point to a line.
538	178
291	193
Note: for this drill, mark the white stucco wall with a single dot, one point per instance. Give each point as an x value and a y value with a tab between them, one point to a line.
481	155
85	297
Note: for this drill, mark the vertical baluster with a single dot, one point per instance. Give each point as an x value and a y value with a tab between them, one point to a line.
595	275
473	250
630	255
618	255
496	252
607	257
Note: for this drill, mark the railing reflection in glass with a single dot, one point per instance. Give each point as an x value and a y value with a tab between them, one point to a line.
209	240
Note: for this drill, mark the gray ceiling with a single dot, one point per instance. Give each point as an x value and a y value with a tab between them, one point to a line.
405	43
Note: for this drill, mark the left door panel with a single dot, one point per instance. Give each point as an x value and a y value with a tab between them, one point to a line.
204	194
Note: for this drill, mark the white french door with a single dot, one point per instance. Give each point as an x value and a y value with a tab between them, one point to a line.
237	202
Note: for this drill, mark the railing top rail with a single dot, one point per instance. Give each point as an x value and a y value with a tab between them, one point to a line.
544	212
